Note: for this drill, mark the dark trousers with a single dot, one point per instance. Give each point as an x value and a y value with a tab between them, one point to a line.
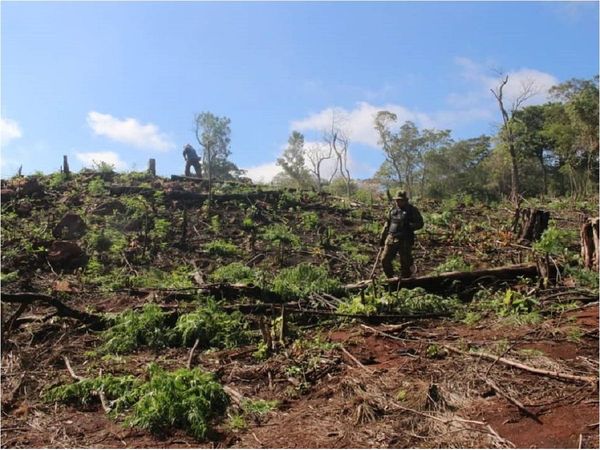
393	246
196	165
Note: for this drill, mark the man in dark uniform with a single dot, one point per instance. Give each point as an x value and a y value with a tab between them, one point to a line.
191	160
398	235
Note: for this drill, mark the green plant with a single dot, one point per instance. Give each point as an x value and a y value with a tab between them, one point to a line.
213	327
187	399
215	224
132	329
84	391
471	318
259	407
237	422
219	247
160	232
454	263
555	241
574	334
585	278
433	351
234	273
103	167
97	187
57	179
310	220
248	224
299	281
282	237
178	278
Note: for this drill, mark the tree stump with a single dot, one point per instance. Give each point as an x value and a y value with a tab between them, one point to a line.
590	243
152	167
530	224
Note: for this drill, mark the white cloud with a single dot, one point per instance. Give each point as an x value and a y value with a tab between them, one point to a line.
263	173
484	79
359	122
129	131
9	130
91	158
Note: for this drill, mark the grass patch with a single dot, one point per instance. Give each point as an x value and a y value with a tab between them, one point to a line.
220	247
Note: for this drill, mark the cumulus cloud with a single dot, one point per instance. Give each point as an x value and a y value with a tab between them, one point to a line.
9	130
90	158
359	121
263	173
129	131
484	79
476	104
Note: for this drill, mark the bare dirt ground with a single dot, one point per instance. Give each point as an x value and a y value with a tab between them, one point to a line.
373	390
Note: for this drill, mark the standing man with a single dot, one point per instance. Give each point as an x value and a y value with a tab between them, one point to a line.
191	160
398	235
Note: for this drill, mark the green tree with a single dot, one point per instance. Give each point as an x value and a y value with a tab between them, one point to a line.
458	168
580	100
405	150
292	160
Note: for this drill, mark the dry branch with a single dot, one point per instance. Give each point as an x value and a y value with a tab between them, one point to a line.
61	309
513	400
518	365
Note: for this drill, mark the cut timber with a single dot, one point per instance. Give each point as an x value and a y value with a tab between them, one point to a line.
61	309
590	243
444	281
533	223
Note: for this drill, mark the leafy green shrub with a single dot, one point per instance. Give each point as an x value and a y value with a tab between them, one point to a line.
310	220
508	304
555	241
84	391
97	187
185	399
234	273
301	280
219	247
57	179
134	328
160	232
404	301
281	235
213	327
97	273
439	219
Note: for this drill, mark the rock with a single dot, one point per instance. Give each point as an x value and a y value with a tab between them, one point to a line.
71	226
109	207
66	255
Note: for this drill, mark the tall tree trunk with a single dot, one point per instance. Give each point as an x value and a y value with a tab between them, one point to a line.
514	172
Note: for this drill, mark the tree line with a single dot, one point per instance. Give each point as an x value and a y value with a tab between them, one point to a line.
547	149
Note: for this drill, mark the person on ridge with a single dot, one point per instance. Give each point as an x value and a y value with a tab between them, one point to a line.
398	235
191	160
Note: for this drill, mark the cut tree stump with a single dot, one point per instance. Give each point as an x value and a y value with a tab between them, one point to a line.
531	223
444	281
590	244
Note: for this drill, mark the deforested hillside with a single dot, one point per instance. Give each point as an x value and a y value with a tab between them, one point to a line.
139	311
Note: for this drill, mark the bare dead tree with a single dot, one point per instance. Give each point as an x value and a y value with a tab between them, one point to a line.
527	91
316	155
337	140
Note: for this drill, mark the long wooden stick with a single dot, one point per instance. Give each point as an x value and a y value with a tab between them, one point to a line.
518	365
513	400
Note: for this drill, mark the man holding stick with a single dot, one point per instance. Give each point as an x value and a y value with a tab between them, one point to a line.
398	235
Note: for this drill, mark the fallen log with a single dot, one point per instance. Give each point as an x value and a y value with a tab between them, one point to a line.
444	281
61	309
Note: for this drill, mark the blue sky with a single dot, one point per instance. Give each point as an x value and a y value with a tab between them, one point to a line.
121	81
